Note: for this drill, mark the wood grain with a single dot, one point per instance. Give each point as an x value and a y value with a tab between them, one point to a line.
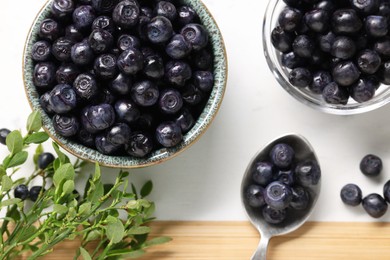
237	240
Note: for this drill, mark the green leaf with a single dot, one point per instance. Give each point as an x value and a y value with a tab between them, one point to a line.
27	233
146	189
18	159
38	151
157	241
150	211
37	138
63	158
13	213
115	230
60	209
6	183
56	164
135	254
63	173
84	253
126	253
134	190
34	122
124	175
71	213
107	188
14	142
93	235
67	188
85	209
138	230
97	174
9	202
96	194
2	171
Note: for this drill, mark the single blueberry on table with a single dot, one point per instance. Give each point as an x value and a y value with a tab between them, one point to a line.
351	195
386	191
343	47
371	165
178	72
368	61
375	205
185	120
254	195
139	145
126	13
105	23
178	47
196	34
44	159
154	67
67	73
82	53
49	30
263	173
63	99
317	20
282	155
121	85
126	41
307	173
320	80
170	101
376	26
97	118
105	66
100	41
335	94
104	146
62	48
185	15
21	192
130	61
346	21
166	9
345	73
145	93
118	134
73	33
126	111
290	18
273	216
34	193
66	125
300	198
83	17
62	9
44	75
169	134
4	132
41	51
281	39
104	6
159	30
363	90
300	77
303	46
86	86
291	60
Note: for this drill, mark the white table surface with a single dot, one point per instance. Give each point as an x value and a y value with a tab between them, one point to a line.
203	183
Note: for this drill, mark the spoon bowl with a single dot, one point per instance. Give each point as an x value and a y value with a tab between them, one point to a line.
295	218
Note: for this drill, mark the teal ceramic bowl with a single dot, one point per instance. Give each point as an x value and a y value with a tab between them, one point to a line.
159	156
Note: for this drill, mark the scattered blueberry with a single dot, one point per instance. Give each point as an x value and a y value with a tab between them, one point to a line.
371	165
34	193
351	195
386	191
44	159
3	135
286	177
326	41
21	192
375	205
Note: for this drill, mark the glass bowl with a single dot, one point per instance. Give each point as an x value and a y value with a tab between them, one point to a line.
304	95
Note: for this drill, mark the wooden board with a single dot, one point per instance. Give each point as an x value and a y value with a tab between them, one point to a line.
237	240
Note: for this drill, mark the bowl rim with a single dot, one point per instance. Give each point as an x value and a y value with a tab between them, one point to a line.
159	156
271	53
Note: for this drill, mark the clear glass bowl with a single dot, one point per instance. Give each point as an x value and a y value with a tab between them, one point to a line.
305	96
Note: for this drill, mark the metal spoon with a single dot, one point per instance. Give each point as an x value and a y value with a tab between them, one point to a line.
295	219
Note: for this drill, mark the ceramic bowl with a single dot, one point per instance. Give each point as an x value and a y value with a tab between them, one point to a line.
304	95
158	156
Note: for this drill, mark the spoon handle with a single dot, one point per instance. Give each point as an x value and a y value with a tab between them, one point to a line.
261	251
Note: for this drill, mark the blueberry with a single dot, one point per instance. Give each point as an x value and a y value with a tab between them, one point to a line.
44	101
277	195
62	9
86	138
263	173
126	13
286	177
382	46
142	28
345	73
145	93
202	60
49	30
139	145
83	17
159	29
282	155
126	41
185	120
351	195
86	86
300	198
67	73
346	21
178	72
82	53
185	15
291	60
100	41
326	41
127	111
384	8
195	34
104	97
375	205
384	73
121	85
105	66
166	9
97	118
303	46
334	94
146	11
365	6
170	101
376	26
73	33
281	39
169	134
362	91
34	193
343	47
63	99
300	77
307	173
368	61
44	75
178	47
21	192
371	165
320	80
66	126
104	6
386	191
254	196
191	94
130	61
119	134
203	80
319	59
104	23
290	18
41	51
326	5
154	66
61	49
104	146
273	216
3	135
317	20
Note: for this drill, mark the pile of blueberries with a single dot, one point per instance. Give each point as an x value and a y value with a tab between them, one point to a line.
125	77
336	48
281	184
374	204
